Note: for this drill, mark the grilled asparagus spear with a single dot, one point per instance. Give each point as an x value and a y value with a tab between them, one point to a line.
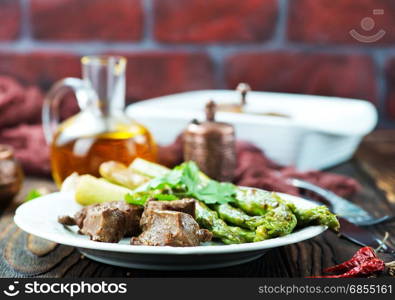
316	216
279	221
238	217
280	213
247	235
209	219
276	222
256	202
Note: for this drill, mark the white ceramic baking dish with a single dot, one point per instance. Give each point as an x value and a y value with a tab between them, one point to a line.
320	131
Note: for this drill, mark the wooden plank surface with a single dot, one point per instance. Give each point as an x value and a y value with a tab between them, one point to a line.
377	158
23	255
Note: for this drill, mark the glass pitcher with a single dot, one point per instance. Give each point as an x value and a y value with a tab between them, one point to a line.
100	131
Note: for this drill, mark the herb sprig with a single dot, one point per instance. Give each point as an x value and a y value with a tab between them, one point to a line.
33	194
185	181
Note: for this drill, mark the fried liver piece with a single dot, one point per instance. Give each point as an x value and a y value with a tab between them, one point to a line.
106	222
185	205
171	228
67	220
132	215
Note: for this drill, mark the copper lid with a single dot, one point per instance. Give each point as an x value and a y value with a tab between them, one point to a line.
210	125
204	127
6	152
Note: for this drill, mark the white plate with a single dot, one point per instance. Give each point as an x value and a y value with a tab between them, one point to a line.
39	217
321	131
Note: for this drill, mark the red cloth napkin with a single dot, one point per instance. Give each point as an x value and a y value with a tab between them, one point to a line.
18	104
20	117
30	147
20	114
256	170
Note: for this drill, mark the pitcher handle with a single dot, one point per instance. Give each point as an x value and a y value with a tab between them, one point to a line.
50	113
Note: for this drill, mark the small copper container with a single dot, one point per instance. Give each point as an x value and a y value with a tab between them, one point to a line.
11	175
212	146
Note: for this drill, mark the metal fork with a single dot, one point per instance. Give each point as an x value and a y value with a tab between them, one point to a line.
340	206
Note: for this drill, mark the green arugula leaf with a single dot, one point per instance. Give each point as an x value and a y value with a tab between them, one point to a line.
171	179
142	197
137	198
32	195
209	191
216	192
166	197
185	181
190	177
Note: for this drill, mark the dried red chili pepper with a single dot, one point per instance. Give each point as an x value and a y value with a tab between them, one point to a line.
367	267
359	257
364	262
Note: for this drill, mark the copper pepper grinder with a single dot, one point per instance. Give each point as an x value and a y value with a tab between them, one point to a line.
11	175
211	145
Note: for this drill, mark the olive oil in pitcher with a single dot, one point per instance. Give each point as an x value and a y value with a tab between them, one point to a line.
101	131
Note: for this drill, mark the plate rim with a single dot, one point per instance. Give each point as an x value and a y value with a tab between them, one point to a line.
74	241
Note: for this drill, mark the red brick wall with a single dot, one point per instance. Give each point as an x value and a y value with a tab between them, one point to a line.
299	46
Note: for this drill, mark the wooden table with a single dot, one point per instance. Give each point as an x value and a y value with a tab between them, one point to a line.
23	255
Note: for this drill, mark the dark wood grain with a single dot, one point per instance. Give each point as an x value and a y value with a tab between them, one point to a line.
23	255
377	158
